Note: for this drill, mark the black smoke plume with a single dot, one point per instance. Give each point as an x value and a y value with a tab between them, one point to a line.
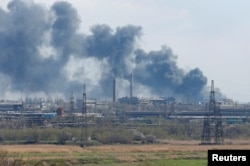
159	71
42	50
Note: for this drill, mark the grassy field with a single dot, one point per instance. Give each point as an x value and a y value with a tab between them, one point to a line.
169	154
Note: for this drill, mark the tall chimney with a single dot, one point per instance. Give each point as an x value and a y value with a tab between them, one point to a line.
131	85
114	91
72	102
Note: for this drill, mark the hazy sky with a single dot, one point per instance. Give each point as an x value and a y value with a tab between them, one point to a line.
210	34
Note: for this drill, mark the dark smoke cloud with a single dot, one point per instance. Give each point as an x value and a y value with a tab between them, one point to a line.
41	50
21	30
192	85
64	30
159	71
116	47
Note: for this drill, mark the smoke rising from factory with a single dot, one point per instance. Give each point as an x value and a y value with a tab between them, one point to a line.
42	51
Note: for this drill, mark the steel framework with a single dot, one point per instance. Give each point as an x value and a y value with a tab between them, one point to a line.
212	111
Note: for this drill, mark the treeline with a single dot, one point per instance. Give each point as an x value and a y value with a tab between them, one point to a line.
98	134
109	134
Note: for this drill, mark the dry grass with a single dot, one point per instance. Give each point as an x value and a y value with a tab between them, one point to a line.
167	147
41	148
122	153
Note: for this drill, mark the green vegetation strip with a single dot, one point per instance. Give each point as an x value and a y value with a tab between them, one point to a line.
175	158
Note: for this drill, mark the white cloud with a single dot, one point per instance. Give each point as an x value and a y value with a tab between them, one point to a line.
46	50
86	70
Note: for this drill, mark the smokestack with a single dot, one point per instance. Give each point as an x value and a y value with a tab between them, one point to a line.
84	118
114	91
72	102
131	85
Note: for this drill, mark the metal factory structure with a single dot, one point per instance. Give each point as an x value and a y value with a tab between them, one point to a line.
72	112
10	105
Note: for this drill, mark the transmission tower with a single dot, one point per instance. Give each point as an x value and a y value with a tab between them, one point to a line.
213	110
206	132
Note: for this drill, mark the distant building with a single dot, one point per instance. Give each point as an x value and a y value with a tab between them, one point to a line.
89	102
146	101
229	104
129	100
10	105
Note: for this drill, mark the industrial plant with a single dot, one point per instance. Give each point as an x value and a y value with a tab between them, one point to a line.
82	111
106	78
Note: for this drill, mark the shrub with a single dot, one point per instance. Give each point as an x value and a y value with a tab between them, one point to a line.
150	139
139	137
7	160
115	136
63	137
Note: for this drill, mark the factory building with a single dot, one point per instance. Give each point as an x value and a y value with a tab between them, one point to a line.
140	101
10	105
129	100
146	101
